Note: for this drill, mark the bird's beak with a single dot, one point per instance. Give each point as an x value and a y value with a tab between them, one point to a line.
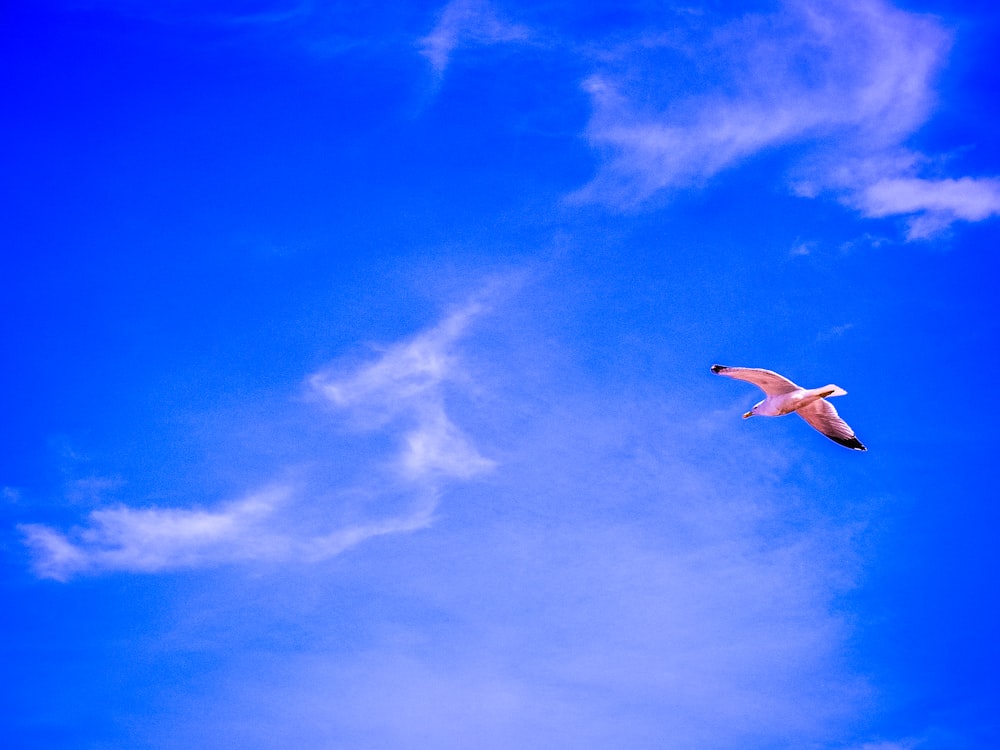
748	414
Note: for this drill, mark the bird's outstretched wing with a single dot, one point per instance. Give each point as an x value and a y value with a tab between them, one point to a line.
821	415
770	382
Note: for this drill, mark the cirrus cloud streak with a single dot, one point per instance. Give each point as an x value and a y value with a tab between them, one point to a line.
845	83
402	392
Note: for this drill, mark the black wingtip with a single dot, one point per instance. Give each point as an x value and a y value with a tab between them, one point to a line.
852	443
717	369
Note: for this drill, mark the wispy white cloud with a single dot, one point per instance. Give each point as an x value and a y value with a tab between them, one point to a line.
814	71
258	528
932	204
407	383
152	539
403	391
467	23
850	81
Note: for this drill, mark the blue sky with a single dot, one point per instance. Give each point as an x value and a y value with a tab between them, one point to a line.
357	390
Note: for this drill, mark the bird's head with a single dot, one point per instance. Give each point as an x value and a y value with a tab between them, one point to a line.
752	411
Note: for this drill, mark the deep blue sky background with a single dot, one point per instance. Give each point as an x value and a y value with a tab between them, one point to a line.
356	375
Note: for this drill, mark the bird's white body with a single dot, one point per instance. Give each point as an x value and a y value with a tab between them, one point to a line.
781	404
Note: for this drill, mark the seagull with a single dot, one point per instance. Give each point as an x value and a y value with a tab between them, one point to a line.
784	397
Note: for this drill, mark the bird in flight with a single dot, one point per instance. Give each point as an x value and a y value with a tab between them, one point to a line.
784	397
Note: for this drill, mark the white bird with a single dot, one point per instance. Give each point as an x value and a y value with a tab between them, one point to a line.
784	397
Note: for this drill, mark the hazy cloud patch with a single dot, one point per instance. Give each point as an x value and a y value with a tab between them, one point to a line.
848	81
931	205
467	23
401	392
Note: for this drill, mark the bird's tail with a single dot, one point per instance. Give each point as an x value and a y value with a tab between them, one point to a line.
829	391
